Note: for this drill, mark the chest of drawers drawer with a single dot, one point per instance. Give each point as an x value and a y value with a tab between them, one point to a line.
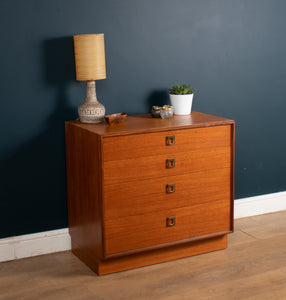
166	165
153	195
135	233
167	142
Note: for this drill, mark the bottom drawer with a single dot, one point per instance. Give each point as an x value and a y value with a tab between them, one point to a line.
149	230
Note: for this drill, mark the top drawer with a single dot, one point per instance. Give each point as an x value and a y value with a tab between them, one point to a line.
167	142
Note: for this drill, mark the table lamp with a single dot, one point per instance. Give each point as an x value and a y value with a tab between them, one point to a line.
90	66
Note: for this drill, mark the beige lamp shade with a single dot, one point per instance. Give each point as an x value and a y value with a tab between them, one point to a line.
89	56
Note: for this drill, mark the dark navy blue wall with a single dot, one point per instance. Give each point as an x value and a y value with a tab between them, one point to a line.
231	51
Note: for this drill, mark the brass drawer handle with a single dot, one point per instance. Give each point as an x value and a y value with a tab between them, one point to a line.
170	140
171	221
170	163
171	188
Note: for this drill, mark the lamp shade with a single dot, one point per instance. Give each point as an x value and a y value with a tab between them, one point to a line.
89	56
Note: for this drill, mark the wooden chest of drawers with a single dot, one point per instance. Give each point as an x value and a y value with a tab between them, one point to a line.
149	190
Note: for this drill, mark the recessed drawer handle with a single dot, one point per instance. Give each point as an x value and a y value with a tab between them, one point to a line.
171	188
170	140
171	221
170	163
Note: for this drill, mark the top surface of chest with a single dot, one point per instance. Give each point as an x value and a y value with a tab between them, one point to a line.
135	124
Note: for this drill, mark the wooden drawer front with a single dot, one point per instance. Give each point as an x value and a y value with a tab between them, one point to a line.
143	231
138	145
141	197
156	166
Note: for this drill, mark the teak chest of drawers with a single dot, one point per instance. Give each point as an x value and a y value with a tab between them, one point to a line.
150	190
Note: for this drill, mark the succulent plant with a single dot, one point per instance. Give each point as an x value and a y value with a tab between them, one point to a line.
181	89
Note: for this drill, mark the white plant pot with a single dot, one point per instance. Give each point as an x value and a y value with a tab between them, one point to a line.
182	104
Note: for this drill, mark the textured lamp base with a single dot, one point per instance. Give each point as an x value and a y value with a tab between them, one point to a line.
91	111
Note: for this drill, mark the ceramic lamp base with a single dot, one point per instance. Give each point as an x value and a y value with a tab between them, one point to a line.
91	111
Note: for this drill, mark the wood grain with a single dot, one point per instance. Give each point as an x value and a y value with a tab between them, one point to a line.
84	190
135	124
138	145
141	197
143	231
232	174
161	255
155	166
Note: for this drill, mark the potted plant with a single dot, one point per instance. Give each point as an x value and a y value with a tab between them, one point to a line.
181	97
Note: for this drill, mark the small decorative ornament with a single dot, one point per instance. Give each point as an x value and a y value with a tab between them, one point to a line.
167	112
115	119
156	111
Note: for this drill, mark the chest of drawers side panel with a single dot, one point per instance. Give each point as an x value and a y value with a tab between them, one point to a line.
84	181
232	175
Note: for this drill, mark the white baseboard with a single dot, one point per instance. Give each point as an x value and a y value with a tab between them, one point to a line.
34	244
59	240
259	205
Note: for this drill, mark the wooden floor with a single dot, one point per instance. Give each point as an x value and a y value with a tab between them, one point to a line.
252	267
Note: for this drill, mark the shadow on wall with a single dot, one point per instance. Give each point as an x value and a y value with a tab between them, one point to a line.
159	98
33	197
